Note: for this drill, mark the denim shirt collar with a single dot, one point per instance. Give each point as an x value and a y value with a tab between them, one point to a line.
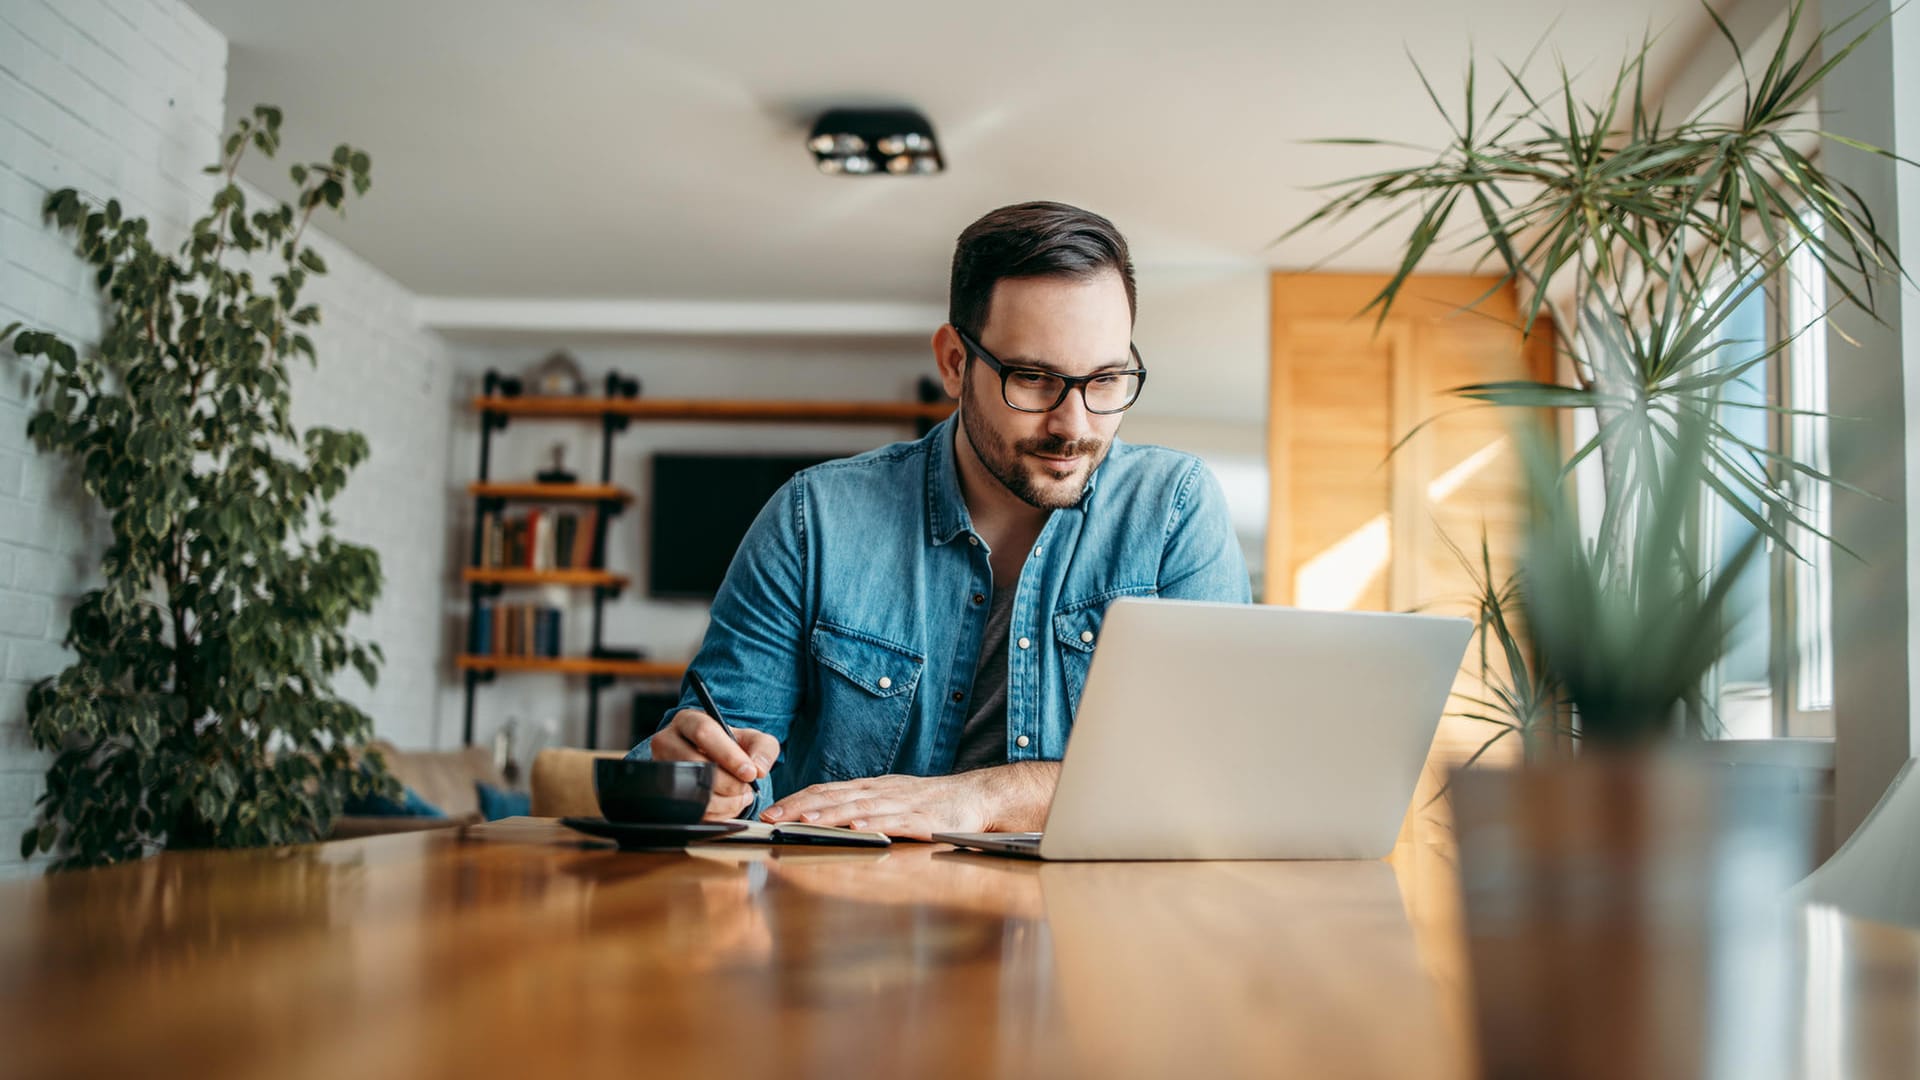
947	516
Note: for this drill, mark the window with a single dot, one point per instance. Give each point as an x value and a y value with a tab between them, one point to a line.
1777	676
1804	619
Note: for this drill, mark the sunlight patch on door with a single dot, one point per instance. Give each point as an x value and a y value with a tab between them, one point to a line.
1337	577
1453	479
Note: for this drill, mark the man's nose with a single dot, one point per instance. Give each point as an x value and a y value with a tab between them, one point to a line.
1071	421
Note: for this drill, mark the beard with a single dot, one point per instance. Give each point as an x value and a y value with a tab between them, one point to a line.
1011	463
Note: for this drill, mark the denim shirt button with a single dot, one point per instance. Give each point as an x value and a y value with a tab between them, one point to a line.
1022	741
1025	644
974	540
1086	635
885	682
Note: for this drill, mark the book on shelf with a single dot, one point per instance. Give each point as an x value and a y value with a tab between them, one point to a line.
490	540
583	536
544	633
538	540
564	527
513	548
515	630
480	632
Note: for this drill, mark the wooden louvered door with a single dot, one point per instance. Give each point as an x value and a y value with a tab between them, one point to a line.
1355	526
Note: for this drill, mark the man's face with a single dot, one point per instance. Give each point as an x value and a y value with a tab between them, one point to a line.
1073	326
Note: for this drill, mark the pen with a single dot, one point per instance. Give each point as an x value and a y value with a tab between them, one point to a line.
706	703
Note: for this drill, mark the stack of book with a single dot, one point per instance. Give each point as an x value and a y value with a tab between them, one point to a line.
515	630
538	540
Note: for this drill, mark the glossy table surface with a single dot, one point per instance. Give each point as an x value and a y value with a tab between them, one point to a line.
520	948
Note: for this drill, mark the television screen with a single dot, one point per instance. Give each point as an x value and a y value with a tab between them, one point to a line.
703	505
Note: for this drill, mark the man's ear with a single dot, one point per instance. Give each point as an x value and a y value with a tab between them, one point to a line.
950	356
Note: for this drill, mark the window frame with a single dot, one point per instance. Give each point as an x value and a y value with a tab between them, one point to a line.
1791	310
1798	314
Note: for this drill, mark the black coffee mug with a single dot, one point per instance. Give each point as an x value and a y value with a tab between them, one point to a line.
652	792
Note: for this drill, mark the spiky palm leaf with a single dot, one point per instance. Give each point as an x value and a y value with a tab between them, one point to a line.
1651	234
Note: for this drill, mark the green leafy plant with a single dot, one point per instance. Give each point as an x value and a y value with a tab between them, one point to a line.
1642	238
201	711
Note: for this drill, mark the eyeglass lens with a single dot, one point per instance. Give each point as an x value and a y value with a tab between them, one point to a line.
1039	391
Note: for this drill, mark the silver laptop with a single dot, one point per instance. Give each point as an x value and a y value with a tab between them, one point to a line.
1237	731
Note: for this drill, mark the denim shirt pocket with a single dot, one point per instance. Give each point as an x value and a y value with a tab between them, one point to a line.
1076	627
867	688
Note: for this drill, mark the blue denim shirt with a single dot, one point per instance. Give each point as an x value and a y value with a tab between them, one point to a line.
848	625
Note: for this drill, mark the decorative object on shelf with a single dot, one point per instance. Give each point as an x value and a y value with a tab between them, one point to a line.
558	375
875	142
557	473
196	715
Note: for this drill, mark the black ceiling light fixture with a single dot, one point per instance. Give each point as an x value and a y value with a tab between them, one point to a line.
873	142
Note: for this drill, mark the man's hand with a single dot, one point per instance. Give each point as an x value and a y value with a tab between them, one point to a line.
694	736
1007	798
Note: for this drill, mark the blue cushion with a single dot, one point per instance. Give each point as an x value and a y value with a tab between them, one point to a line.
496	803
410	805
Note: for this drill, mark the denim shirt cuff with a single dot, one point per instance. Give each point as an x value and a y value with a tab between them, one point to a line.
762	798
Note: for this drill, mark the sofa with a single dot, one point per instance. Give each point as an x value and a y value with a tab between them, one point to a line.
444	778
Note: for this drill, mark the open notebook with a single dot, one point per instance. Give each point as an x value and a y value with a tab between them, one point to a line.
759	832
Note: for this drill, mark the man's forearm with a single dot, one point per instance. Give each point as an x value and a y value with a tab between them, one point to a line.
1018	794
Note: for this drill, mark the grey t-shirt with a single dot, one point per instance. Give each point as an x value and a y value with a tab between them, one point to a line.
983	741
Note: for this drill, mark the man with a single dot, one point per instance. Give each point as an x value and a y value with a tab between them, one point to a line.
903	636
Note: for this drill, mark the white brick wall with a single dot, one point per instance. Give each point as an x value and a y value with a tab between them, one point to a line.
381	375
119	99
126	98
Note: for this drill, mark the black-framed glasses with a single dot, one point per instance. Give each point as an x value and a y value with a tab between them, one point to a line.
1036	390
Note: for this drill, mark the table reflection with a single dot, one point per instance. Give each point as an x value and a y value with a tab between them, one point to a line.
522	948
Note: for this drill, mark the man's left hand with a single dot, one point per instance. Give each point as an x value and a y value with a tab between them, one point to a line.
913	807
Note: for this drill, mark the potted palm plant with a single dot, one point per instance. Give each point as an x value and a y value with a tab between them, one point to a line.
1641	238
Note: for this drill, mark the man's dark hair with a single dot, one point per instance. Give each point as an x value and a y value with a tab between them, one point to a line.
1033	239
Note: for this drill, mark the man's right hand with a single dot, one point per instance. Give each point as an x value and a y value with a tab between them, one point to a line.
692	735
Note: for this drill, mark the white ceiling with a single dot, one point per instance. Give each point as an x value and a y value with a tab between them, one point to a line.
608	149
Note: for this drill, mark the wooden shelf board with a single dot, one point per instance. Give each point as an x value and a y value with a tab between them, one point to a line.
827	412
575	665
496	575
551	492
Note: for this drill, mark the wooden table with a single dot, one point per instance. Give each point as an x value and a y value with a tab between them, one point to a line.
520	949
